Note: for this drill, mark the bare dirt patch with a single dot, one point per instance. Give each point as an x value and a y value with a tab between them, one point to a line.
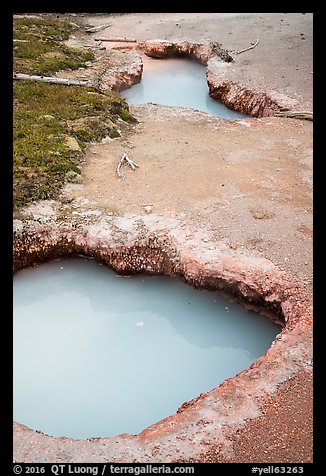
245	182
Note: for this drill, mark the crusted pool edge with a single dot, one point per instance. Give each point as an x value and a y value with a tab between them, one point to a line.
156	244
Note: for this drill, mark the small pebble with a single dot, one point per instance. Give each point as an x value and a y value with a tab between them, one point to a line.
148	209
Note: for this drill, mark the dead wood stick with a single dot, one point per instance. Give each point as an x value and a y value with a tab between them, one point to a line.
123	40
221	52
118	168
129	162
296	114
95	47
49	79
132	164
95	29
249	48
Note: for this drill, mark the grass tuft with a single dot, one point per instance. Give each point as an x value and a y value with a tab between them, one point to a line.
38	47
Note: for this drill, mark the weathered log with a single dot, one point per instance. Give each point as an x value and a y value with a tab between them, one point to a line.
118	39
95	47
95	29
128	161
307	115
50	79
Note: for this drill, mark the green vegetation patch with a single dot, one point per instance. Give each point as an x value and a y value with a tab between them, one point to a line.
52	125
39	49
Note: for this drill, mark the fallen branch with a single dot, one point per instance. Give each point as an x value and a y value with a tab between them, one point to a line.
307	115
95	47
49	79
124	40
129	162
253	45
95	29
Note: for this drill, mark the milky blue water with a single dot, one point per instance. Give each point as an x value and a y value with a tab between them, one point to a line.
176	82
96	354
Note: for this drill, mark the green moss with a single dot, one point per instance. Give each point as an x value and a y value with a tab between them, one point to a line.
221	52
46	29
83	135
38	47
113	133
126	116
46	114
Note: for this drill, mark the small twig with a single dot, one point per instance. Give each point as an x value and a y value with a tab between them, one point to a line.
253	45
128	161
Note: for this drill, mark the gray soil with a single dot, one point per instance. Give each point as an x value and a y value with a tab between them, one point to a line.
282	61
248	183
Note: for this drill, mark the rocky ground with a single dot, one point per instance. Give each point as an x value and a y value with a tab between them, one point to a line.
246	184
